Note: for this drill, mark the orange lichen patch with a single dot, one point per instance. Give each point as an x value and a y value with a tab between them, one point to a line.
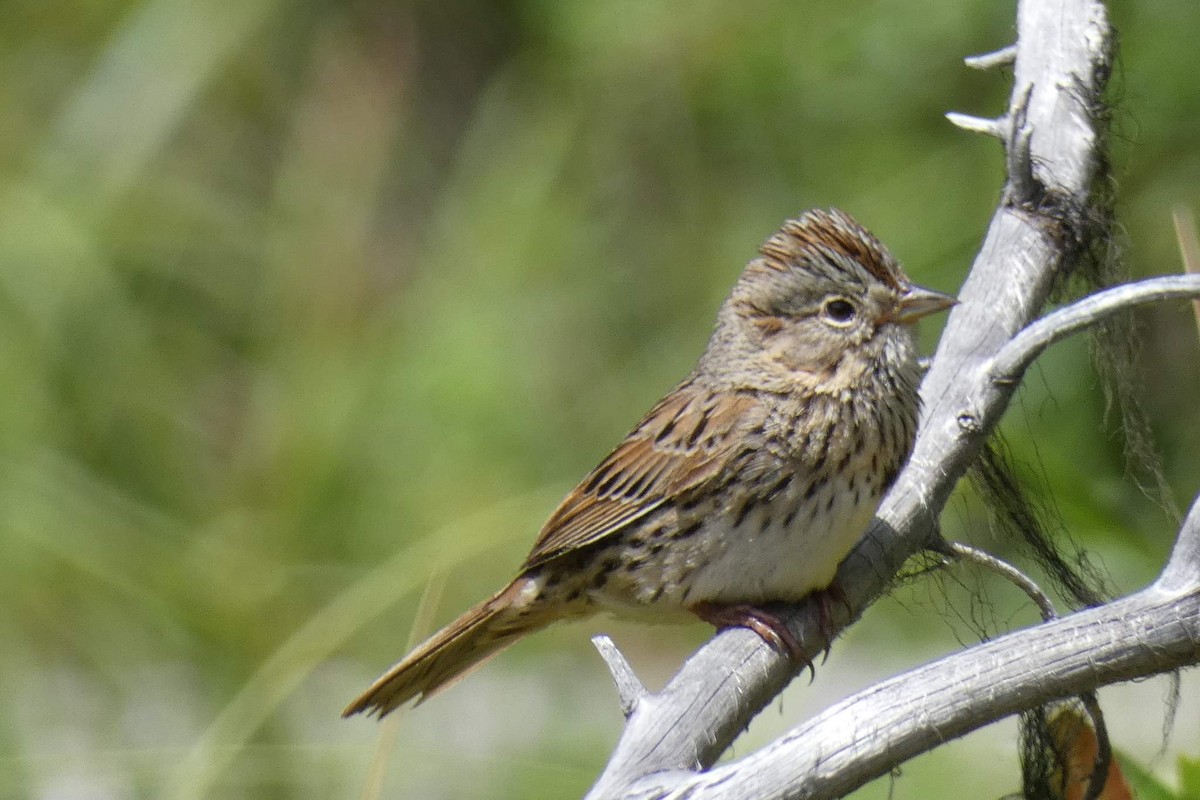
1077	746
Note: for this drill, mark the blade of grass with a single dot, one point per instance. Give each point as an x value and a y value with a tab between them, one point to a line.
1189	247
328	628
155	65
422	626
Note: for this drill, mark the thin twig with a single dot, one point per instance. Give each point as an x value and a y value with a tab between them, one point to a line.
1022	349
997	127
1091	703
1182	573
1004	57
1010	573
630	690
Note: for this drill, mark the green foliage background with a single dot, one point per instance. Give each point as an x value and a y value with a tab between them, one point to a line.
303	303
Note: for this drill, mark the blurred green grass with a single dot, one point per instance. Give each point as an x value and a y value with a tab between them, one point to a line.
301	303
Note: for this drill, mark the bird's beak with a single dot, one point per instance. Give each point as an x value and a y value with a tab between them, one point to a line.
918	302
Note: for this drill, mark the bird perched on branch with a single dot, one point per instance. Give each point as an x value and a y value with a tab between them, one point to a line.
748	483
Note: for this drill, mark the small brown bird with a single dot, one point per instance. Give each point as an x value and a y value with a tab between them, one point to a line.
748	483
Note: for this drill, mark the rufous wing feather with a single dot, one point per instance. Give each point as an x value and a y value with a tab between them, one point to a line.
683	443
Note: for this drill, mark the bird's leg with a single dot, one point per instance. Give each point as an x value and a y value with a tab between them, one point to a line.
767	625
825	598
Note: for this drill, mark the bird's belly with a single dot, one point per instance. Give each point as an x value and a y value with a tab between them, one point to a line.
769	557
775	552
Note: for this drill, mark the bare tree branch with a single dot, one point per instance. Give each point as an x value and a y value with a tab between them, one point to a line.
1010	573
1016	356
1004	57
1061	63
1182	573
630	690
866	735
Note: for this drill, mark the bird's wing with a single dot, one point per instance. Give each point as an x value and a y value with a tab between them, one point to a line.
684	442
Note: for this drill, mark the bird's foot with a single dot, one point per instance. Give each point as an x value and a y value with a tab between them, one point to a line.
768	626
825	598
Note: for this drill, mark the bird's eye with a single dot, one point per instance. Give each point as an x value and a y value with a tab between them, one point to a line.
839	311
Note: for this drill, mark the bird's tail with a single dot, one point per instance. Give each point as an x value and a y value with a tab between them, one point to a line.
465	643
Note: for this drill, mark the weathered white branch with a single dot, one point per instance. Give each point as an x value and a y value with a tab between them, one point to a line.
997	128
1182	573
1018	354
1156	630
1003	57
1010	573
1042	600
1060	64
630	690
866	735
